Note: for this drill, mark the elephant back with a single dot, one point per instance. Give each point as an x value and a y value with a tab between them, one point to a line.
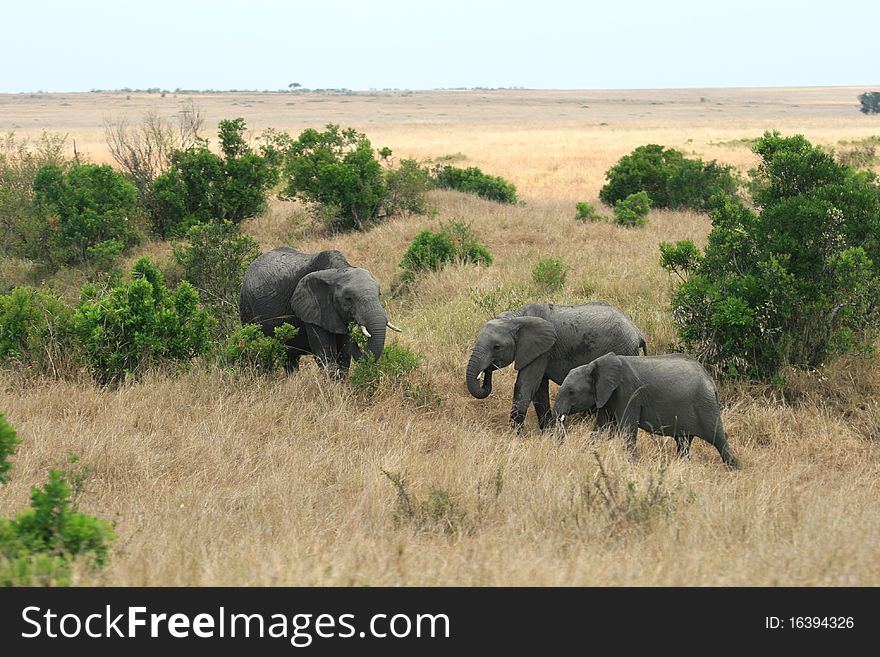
270	280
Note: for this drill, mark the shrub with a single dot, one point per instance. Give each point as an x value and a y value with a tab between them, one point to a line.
337	171
214	262
474	181
36	330
791	281
430	251
680	259
140	323
89	212
8	443
203	187
39	545
632	210
467	248
407	188
392	366
21	231
670	179
549	274
586	212
869	102
250	348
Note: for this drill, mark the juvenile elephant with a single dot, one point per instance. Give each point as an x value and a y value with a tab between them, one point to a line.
545	341
320	294
669	395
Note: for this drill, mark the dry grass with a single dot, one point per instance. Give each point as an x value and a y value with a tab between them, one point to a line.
217	480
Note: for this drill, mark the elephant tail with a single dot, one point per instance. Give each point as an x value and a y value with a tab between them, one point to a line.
643	346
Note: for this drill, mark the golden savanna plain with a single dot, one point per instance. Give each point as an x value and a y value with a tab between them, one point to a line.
218	479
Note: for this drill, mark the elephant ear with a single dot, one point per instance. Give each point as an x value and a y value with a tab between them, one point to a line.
534	338
312	301
606	375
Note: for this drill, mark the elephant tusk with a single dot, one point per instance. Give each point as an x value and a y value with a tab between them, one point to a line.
480	377
365	331
562	418
393	327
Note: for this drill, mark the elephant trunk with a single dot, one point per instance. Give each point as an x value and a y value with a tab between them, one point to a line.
474	368
375	322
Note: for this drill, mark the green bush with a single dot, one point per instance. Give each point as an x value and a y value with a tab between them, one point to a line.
407	188
392	367
586	212
670	179
22	230
632	210
474	181
430	251
90	214
39	545
140	323
214	262
203	187
8	443
549	274
336	170
36	330
680	259
791	281
250	348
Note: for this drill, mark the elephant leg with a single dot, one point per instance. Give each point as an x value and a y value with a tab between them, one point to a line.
628	427
542	404
683	445
527	382
604	418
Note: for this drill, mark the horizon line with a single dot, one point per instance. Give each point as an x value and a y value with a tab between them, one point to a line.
305	90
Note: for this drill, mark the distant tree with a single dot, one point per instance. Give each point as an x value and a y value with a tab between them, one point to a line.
870	101
294	85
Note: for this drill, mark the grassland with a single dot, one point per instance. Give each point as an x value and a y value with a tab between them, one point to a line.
213	479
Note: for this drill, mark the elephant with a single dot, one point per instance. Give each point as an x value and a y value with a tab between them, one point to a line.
545	341
320	294
668	395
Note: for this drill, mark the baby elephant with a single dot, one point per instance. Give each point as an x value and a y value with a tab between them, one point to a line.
670	395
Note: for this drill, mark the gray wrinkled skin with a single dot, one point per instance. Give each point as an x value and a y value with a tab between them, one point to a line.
545	341
669	395
320	294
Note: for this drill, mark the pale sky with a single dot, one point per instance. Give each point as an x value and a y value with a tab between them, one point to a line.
78	45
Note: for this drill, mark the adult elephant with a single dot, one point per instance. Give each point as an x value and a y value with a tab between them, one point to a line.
320	294
545	341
